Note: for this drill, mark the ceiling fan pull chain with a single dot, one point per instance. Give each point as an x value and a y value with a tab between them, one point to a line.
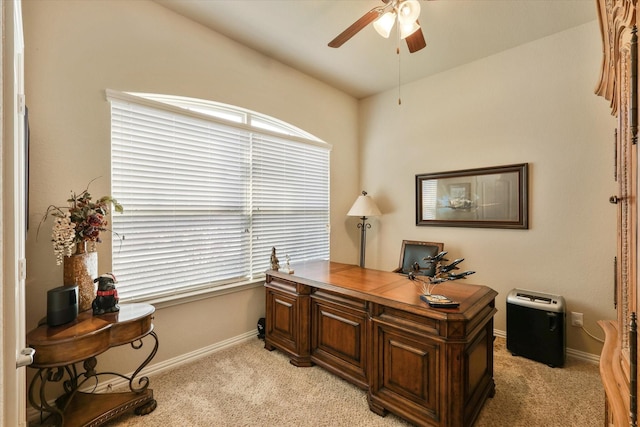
398	53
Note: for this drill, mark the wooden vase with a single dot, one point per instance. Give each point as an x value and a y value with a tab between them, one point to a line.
80	269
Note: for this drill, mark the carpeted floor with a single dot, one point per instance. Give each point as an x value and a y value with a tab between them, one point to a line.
246	385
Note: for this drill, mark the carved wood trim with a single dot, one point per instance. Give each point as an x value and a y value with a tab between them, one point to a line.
633	371
612	377
619	84
614	16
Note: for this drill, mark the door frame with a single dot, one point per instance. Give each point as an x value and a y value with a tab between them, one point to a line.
12	217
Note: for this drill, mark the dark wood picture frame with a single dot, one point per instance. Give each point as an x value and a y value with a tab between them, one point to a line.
490	197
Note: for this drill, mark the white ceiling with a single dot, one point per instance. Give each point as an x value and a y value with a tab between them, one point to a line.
296	33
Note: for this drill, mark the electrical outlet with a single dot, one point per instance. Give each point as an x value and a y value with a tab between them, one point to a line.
576	319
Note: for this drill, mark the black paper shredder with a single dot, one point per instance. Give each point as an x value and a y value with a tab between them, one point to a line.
536	326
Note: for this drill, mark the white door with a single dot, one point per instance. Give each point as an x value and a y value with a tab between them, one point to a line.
13	220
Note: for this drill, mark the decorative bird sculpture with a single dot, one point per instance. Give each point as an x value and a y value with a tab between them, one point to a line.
452	266
437	258
442	273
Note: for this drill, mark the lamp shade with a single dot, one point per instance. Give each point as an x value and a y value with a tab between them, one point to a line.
408	11
364	206
384	24
407	29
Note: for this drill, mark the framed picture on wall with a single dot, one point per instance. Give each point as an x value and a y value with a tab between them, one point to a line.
491	197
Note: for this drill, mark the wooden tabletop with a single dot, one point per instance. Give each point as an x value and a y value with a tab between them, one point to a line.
388	288
89	335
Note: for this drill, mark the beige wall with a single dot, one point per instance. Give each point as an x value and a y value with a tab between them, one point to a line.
77	49
532	104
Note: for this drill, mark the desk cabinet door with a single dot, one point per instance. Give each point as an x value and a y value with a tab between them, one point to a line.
282	319
405	374
338	336
287	325
287	321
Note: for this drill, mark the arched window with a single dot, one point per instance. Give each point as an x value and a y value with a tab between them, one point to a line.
208	190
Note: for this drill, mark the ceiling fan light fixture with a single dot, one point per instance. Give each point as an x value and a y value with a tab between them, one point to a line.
407	29
408	11
384	24
383	18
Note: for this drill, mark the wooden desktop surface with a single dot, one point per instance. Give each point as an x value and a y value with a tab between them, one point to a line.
388	288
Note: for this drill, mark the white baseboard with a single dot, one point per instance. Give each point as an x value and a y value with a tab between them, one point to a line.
576	354
192	356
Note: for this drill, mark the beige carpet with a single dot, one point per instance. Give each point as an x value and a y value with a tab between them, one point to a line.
247	385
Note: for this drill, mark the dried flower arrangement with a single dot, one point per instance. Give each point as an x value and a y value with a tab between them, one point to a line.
82	221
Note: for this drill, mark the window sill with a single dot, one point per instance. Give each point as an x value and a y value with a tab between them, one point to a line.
188	296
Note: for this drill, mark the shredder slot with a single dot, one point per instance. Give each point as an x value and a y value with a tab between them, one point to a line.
534	298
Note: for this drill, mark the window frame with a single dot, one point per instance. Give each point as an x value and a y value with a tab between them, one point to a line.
196	108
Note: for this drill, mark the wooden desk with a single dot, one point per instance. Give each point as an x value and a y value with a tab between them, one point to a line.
60	348
433	367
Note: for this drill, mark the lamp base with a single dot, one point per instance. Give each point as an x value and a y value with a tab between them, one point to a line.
363	238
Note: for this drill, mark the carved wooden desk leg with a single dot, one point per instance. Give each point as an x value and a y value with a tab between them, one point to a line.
377	409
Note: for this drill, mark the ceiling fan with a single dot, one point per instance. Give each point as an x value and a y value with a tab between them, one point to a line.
405	12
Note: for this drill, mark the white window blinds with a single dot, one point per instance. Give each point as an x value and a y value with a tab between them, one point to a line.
205	201
290	200
429	199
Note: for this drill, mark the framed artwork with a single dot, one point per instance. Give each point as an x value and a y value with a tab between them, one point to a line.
492	197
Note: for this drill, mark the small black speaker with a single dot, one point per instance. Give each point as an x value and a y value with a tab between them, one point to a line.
261	326
62	305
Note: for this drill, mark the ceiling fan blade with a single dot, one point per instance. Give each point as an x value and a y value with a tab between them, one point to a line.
416	41
354	28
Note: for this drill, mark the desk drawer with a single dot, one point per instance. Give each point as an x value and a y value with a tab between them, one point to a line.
405	320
